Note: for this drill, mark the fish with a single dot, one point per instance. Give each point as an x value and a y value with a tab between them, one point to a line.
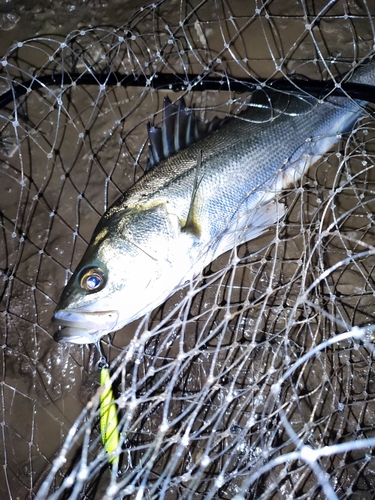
206	189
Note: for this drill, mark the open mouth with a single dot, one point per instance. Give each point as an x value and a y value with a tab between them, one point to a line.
80	327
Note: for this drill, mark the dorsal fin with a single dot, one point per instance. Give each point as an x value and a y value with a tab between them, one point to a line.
179	129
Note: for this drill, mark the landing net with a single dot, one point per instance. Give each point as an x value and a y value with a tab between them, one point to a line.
256	380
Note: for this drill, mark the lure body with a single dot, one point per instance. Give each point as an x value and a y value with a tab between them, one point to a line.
108	418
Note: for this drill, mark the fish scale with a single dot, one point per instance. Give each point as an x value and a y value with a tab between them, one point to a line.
198	203
242	176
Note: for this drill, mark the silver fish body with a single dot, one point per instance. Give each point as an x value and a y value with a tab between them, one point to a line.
193	206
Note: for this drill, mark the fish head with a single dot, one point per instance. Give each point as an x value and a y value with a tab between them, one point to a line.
132	264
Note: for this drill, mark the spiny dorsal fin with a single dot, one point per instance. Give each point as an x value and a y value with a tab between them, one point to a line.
178	130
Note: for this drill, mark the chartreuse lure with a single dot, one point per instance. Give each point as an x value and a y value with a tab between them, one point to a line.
108	413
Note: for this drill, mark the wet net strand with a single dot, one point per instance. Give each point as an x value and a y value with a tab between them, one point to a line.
255	380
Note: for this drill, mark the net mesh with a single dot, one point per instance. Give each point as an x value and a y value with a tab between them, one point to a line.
256	380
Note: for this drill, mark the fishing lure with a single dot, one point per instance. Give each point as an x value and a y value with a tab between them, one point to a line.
108	413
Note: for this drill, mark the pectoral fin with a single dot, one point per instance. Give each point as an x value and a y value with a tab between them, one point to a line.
192	224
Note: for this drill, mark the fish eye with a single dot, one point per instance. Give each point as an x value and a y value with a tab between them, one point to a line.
93	279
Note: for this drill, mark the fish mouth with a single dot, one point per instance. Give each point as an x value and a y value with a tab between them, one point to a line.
81	327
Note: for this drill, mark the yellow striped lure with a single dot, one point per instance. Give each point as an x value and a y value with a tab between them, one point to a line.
108	413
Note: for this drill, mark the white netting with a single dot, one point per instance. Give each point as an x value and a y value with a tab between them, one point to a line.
254	381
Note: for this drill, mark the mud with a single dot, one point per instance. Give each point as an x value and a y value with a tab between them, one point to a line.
68	160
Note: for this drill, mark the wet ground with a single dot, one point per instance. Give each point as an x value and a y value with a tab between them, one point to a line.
73	152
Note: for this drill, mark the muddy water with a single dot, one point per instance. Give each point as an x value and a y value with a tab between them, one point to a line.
64	164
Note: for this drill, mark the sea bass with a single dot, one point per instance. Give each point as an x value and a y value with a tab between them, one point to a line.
207	189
